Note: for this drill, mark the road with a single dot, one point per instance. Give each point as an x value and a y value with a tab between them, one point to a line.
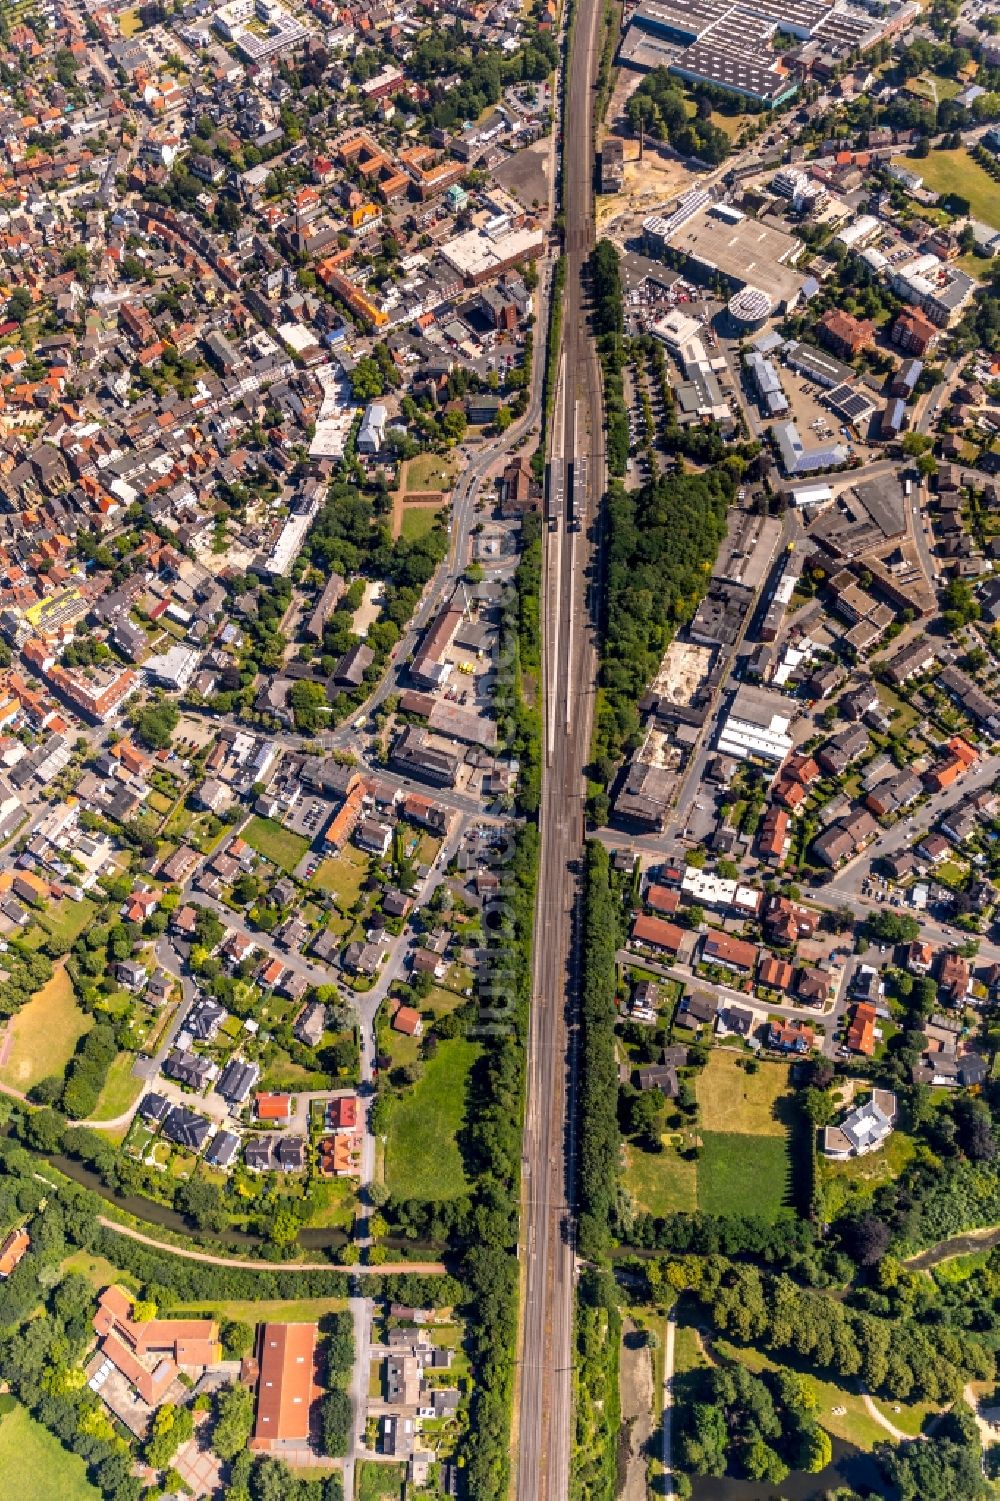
668	1403
545	1393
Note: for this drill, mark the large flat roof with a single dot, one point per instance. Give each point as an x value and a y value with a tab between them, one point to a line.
285	1387
747	252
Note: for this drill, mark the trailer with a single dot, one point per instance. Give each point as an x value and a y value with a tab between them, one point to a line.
578	493
555	496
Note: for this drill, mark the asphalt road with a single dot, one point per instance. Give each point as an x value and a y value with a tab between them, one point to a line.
544	1398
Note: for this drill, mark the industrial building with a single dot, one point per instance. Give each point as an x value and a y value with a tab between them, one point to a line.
767	384
730	45
797	459
757	726
714	241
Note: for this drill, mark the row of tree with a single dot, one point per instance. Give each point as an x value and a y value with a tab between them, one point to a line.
597	1137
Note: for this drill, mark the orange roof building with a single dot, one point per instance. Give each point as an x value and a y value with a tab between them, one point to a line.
861	1032
286	1386
274	1107
660	934
12	1250
150	1352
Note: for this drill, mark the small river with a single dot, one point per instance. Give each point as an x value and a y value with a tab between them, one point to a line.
849	1466
240	1241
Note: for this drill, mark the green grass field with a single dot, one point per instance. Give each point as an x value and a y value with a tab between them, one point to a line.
661	1183
839	1410
98	1270
429	471
379	1482
121	1089
955	172
35	1466
731	1100
254	1311
342	876
417	522
422	1156
46	1032
66	920
277	844
744	1174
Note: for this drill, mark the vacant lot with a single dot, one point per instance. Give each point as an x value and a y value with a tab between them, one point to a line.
121	1089
744	1175
423	1160
277	844
342	876
35	1466
661	1183
379	1482
730	1099
46	1032
955	172
279	1310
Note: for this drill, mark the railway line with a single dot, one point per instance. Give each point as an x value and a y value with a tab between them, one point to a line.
576	468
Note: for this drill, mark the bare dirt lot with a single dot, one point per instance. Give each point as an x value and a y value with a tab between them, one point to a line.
682	670
635	1381
649	184
526	174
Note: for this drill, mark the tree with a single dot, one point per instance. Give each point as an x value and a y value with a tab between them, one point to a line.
156	724
233	1421
867	1239
817	1450
366	379
237	1339
19	304
763	1463
335	1417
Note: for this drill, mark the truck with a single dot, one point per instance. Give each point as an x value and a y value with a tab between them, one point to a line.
555	492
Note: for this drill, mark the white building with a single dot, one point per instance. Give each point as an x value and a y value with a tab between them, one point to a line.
172	669
371	434
757	727
864	1129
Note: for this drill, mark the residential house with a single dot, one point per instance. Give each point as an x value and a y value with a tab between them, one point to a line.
864	1129
729	952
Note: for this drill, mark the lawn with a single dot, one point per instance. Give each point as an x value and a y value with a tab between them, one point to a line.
423	1160
98	1270
46	1032
417	522
429	471
740	1174
121	1089
67	919
379	1482
661	1183
947	172
342	876
262	1310
731	1100
335	1201
36	1467
275	843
